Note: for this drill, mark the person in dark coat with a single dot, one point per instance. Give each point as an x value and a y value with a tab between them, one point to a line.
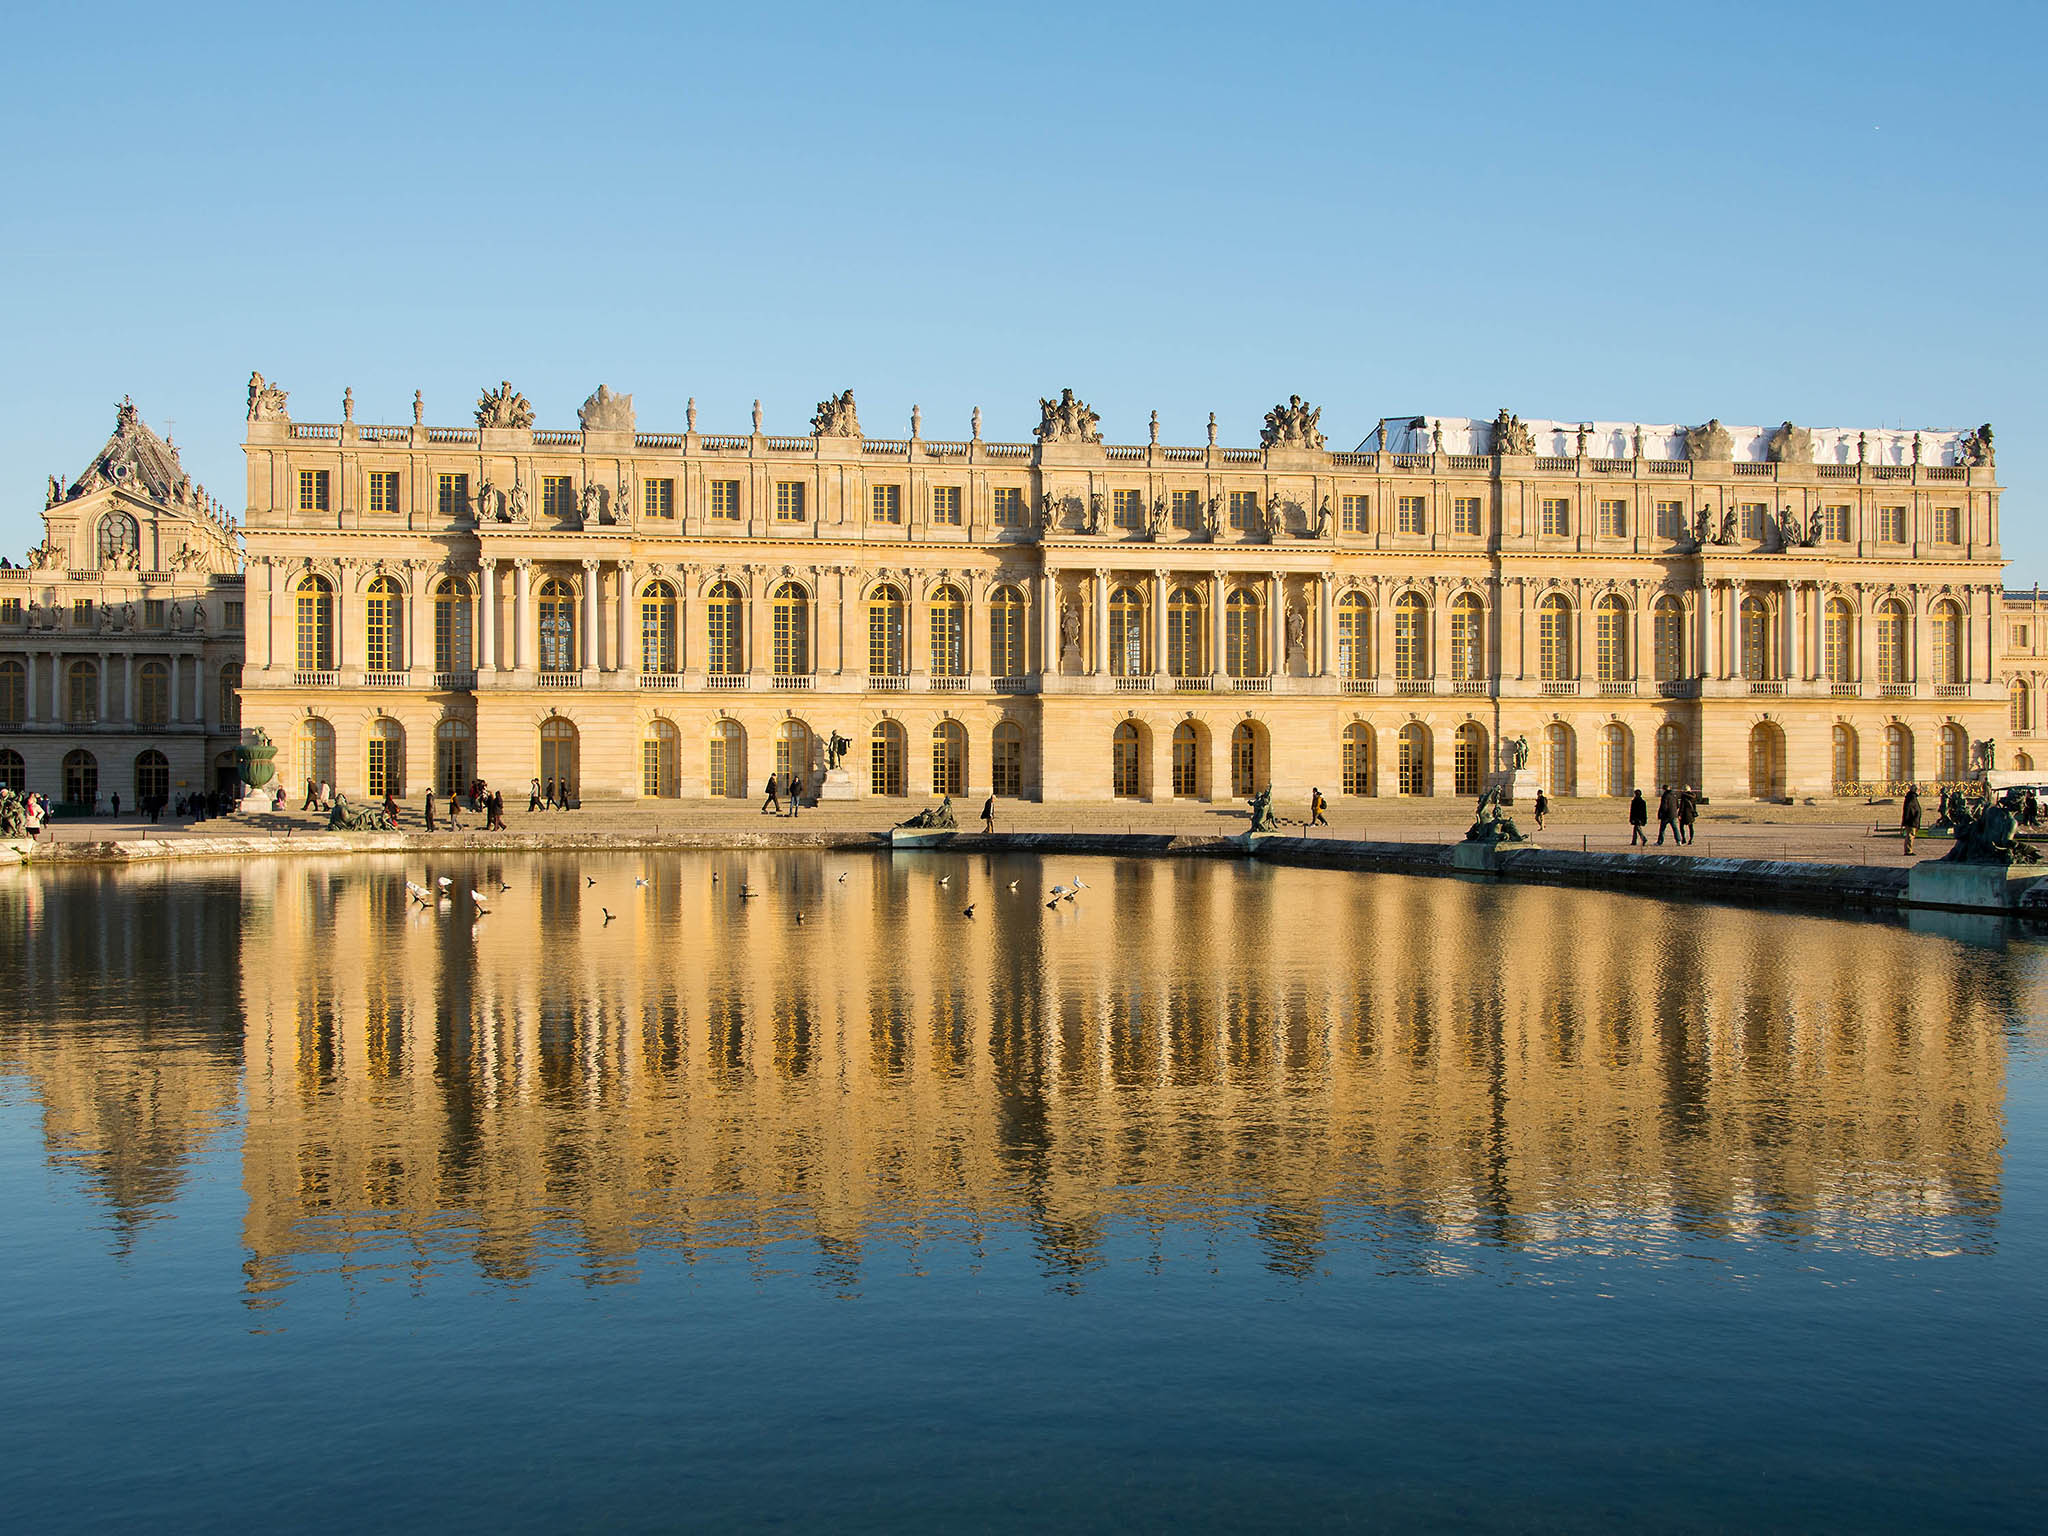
1909	818
988	815
1316	806
430	809
1667	814
772	802
1542	808
1638	818
1688	813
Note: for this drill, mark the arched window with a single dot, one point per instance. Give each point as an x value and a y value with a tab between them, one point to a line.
315	625
1554	638
949	758
452	650
1006	760
82	694
660	754
885	759
1766	761
1187	761
793	753
1241	613
1560	759
947	646
725	769
316	750
1955	753
1617	760
885	634
1758	660
1356	769
1354	629
81	777
1945	639
152	777
1411	637
1468	640
1414	768
557	629
1006	632
1898	755
386	756
119	538
13	771
1468	759
724	630
1668	638
2022	706
1245	777
1894	655
559	757
383	628
658	630
1846	771
1671	755
1123	761
1184	656
1610	638
2022	762
1126	633
1838	642
231	696
152	696
454	758
13	693
790	612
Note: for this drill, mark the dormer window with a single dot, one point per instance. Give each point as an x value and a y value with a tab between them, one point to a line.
118	538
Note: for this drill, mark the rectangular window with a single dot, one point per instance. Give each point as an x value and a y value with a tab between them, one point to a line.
1408	514
1354	514
789	501
557	496
452	493
885	503
725	500
1613	519
232	615
1837	524
1557	518
1753	515
658	498
2019	634
383	490
1948	525
81	613
1187	510
1670	519
946	505
1465	516
1891	525
153	612
1127	510
10	611
1009	507
1244	510
312	490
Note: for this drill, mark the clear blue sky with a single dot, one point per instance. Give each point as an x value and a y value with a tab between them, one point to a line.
1832	214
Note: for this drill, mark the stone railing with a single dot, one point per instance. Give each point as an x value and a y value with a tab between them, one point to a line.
455	682
558	679
315	679
454	435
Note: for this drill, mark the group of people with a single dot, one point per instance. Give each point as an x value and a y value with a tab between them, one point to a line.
483	800
782	790
1677	811
552	796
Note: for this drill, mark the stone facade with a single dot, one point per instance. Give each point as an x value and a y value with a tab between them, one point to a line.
121	634
682	613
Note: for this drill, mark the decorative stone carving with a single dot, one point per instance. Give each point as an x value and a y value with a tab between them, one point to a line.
1322	525
1268	517
1091	516
606	412
55	493
515	503
419	409
836	416
1293	425
1049	509
1709	443
592	502
486	502
1790	445
1510	435
1067	418
1297	635
1975	448
1212	517
503	407
1155	518
266	400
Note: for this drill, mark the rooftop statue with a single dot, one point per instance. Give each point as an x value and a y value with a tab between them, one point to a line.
1710	442
1790	445
1975	448
1067	417
266	400
836	416
1510	436
1986	835
606	412
503	407
934	818
1493	825
1293	425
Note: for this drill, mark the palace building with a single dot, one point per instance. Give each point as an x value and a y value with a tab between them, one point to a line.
121	635
1764	612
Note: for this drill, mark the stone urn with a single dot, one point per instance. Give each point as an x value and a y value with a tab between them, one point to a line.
253	760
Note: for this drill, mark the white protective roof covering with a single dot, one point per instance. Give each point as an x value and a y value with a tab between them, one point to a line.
1665	440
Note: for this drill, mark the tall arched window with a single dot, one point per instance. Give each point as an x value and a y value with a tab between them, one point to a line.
452	652
1560	759
559	756
1766	761
1411	637
1898	754
1838	642
454	757
1006	760
152	776
82	693
1468	759
1354	630
1184	656
119	537
81	777
315	625
1355	771
1758	654
658	629
153	696
557	627
1894	656
1845	764
885	759
1468	640
386	758
1123	761
1241	614
1554	638
13	771
793	753
885	632
725	769
1955	753
1671	755
791	615
13	693
949	758
1414	769
1006	632
1187	761
316	750
1945	640
946	613
383	632
1610	638
2022	706
1245	777
1668	638
1126	633
1617	759
724	630
660	752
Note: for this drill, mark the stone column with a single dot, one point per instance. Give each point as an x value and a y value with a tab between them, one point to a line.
269	614
1276	626
29	703
1160	589
1101	667
521	573
1439	630
1382	657
1326	622
1217	649
104	667
1640	632
419	641
127	689
623	659
1048	622
589	658
487	617
177	692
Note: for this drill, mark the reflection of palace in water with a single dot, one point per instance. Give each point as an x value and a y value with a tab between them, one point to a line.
1185	1053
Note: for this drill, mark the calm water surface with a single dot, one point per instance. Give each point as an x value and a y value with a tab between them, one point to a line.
1222	1197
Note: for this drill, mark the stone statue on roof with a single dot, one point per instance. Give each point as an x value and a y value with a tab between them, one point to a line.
1975	448
1293	425
503	407
1710	442
1510	435
606	412
266	400
1790	445
1065	418
836	416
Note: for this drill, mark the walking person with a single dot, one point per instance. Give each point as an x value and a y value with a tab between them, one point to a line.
1909	817
1688	813
1542	808
988	816
533	798
793	793
1638	818
1667	815
1316	806
391	807
454	806
312	795
772	802
430	808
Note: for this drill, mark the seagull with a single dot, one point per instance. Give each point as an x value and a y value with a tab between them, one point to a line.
607	913
504	886
945	879
747	895
1077	888
1013	885
1059	893
639	879
417	892
444	882
478	897
968	910
799	917
842	877
714	877
588	881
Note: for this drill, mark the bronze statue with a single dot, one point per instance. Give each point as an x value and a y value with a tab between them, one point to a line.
1493	825
836	748
346	818
1986	836
1263	819
935	818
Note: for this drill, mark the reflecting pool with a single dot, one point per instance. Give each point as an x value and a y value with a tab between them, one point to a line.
750	1189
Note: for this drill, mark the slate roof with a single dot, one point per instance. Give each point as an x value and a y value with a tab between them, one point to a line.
136	460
